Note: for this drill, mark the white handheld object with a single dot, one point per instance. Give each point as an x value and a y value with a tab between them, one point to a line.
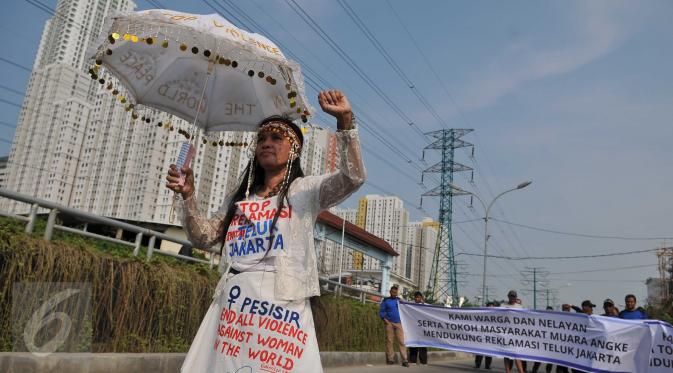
184	159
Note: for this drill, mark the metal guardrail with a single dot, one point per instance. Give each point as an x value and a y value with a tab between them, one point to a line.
348	291
55	209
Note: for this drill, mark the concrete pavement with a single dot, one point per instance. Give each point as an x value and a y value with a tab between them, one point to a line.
333	362
466	365
22	362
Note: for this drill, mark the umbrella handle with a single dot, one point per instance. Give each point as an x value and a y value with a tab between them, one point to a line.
171	213
211	65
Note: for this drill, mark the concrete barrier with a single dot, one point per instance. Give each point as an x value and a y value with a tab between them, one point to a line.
23	362
342	359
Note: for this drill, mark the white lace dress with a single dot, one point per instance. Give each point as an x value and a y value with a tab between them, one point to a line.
260	320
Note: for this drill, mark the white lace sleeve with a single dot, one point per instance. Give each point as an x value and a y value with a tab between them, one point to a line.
350	175
200	230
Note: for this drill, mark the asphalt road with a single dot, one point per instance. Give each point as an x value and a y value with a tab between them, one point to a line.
432	367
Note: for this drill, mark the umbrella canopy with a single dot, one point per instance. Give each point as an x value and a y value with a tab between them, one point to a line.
200	68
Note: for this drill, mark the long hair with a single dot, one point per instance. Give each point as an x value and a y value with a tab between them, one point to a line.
258	181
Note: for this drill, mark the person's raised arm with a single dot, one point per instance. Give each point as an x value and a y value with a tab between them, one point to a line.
350	174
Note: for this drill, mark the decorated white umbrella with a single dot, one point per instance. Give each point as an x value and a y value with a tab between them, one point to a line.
201	68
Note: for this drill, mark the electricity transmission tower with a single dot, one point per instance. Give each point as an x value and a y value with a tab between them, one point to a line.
443	281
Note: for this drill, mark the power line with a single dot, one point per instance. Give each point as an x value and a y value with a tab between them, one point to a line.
425	58
317	82
34	72
10	89
391	61
562	257
605	269
15	64
352	64
585	235
315	86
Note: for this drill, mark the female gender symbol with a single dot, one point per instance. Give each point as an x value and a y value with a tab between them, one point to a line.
233	296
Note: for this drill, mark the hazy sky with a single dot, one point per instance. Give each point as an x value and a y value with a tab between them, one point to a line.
574	95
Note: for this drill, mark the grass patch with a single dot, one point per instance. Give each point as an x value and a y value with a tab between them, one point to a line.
348	325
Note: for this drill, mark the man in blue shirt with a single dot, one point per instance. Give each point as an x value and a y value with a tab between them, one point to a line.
390	315
630	312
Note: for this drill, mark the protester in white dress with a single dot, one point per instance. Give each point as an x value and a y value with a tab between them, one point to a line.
261	318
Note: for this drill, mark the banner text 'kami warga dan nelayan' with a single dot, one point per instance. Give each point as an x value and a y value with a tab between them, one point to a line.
588	343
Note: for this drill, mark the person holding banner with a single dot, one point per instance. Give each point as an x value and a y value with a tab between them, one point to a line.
609	308
536	365
418	353
390	314
487	359
261	317
512	298
587	307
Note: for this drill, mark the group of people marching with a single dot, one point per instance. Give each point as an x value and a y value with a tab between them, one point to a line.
390	315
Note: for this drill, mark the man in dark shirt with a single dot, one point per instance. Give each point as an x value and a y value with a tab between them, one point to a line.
479	358
390	315
587	307
418	353
609	308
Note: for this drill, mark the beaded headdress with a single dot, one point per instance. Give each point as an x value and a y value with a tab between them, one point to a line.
284	129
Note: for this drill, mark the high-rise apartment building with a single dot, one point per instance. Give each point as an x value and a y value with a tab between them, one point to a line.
314	152
3	171
385	217
421	242
58	108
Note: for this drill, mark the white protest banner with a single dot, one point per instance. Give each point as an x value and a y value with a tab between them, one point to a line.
588	343
661	359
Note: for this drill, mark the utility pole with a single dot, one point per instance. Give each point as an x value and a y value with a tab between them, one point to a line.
534	288
537	277
665	259
443	282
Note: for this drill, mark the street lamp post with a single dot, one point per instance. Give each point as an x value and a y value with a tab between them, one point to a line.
487	211
341	256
